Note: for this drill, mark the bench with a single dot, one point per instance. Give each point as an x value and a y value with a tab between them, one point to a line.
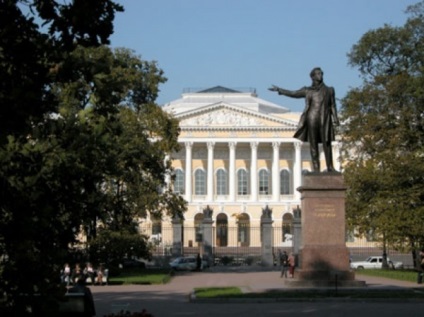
105	278
73	305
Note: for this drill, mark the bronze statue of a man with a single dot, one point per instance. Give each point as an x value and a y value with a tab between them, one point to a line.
317	122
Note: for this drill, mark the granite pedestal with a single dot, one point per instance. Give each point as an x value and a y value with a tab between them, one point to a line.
323	255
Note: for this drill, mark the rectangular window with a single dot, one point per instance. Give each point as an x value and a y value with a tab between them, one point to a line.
263	183
242	183
200	182
179	186
221	183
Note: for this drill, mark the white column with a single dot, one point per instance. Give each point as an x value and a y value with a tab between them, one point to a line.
232	170
167	175
276	171
254	171
188	176
210	171
297	168
336	156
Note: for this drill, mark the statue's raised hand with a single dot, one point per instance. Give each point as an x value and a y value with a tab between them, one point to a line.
274	88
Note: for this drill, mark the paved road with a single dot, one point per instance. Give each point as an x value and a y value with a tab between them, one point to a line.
172	299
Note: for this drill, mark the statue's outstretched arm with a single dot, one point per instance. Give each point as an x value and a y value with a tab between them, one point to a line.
301	93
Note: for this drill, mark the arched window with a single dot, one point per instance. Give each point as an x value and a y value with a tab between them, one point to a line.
222	230
198	227
179	184
287	228
221	182
284	182
263	182
156	226
243	227
200	182
156	236
242	182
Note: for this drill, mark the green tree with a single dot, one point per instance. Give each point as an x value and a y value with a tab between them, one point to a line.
111	247
125	136
40	180
384	133
81	143
31	54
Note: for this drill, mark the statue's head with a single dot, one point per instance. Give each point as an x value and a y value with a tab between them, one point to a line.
316	74
316	69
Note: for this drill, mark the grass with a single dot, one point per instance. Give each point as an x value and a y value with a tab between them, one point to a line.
235	292
141	276
214	292
402	275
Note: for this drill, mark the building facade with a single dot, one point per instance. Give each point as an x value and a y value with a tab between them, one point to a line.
237	158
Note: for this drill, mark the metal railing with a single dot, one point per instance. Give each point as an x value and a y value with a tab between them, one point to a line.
235	246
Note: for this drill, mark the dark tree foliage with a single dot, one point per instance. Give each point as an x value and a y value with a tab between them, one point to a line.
81	141
39	196
384	134
112	247
31	57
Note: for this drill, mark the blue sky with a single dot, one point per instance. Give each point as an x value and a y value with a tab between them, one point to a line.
251	43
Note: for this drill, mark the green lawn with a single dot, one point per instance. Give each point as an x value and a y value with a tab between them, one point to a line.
402	275
141	276
235	292
214	292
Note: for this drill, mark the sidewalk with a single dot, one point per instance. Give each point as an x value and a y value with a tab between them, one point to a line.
113	298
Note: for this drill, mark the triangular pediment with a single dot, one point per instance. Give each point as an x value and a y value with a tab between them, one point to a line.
229	116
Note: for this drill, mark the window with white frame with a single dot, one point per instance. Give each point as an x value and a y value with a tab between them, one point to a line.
284	182
242	182
179	185
200	182
221	182
263	182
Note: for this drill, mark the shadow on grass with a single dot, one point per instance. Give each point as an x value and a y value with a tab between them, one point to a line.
230	293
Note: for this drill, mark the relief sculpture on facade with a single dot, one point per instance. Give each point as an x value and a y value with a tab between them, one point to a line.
223	117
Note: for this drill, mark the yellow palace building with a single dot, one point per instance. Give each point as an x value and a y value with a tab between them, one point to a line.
238	158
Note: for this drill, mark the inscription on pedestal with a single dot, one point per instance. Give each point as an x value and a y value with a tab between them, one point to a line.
324	211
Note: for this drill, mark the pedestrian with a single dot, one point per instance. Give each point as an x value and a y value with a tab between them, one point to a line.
284	261
421	267
292	262
198	262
